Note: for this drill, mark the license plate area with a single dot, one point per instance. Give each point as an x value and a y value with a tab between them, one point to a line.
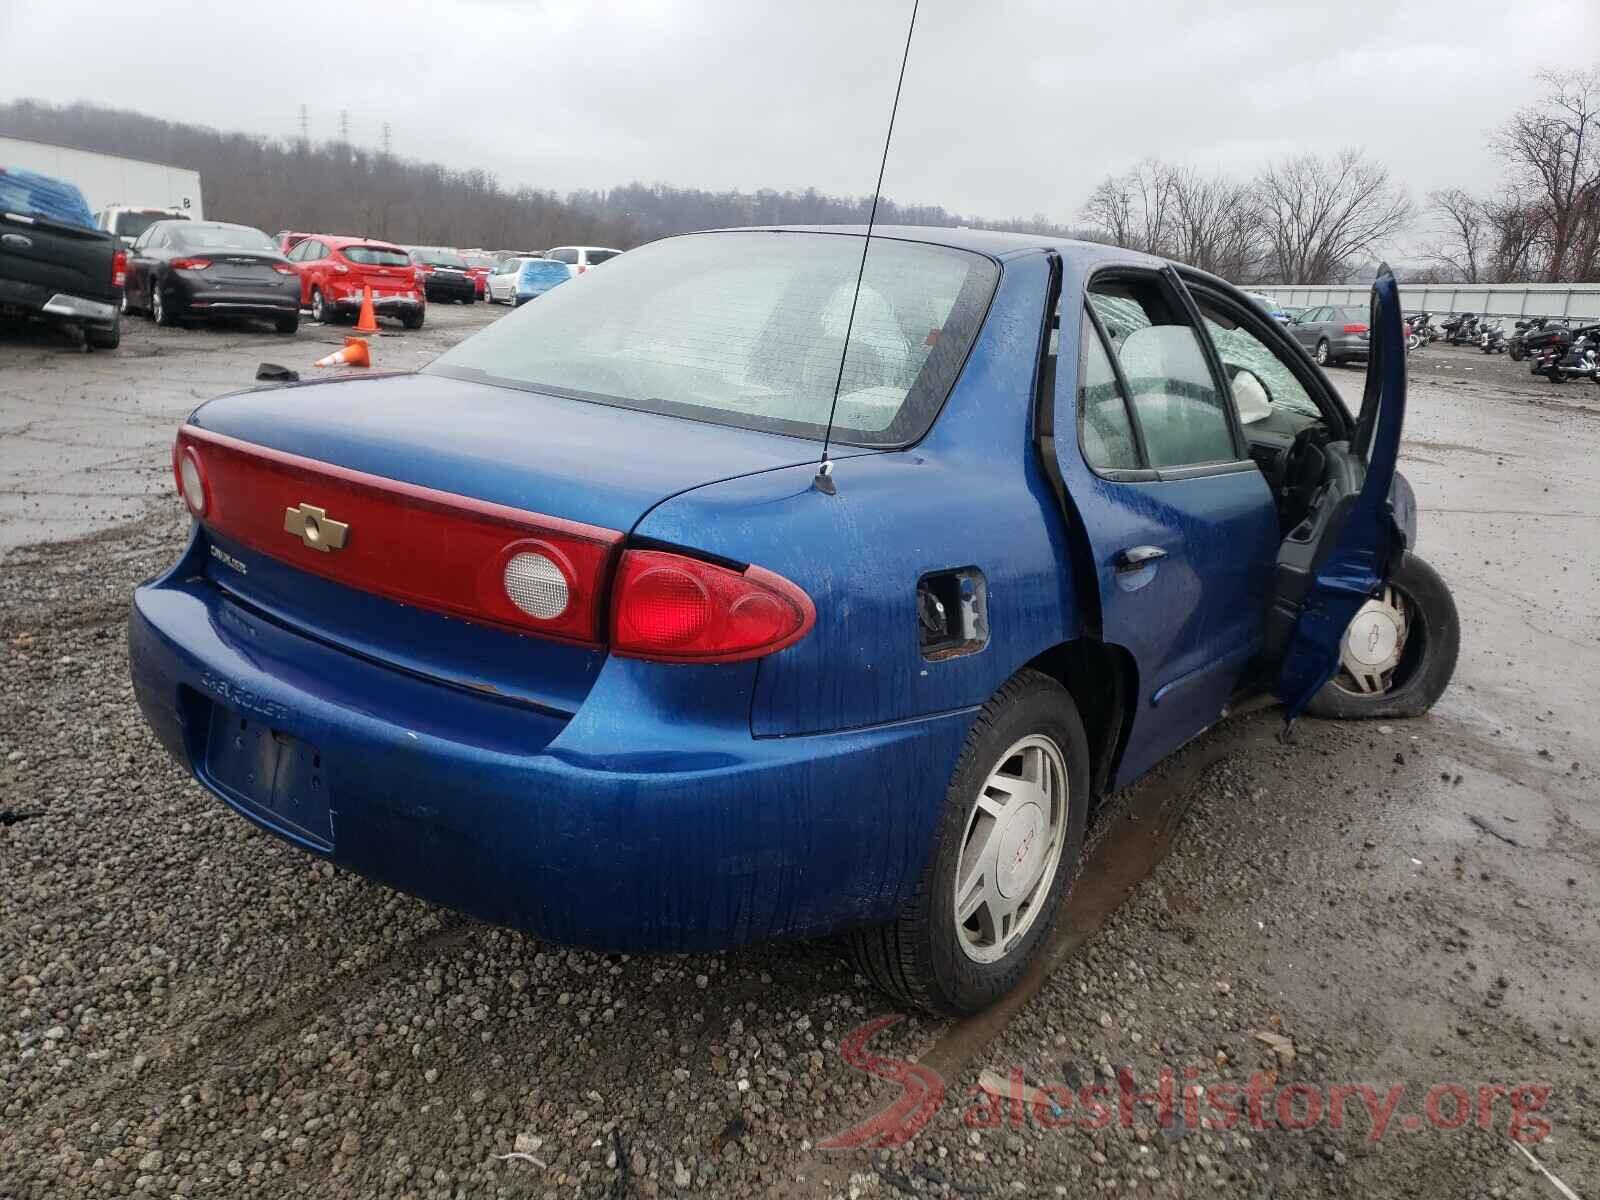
275	777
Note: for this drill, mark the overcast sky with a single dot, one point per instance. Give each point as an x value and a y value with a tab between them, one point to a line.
1010	108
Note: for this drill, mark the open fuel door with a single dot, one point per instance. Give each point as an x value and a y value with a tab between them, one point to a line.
1336	559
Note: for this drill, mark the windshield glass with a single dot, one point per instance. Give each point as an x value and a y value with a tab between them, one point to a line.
376	256
224	237
747	329
132	224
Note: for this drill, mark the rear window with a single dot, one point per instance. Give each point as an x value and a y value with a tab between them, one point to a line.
442	258
600	256
747	329
30	194
1351	315
544	271
223	237
132	224
376	256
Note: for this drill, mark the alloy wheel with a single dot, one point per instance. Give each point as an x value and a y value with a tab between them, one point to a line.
158	307
1011	848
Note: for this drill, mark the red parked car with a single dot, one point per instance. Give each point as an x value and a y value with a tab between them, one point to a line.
333	270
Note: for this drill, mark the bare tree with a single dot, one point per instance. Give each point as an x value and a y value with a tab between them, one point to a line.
1321	213
1217	225
1553	148
1109	211
1467	234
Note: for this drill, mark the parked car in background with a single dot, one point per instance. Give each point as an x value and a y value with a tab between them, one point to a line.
334	271
479	264
1291	311
502	285
129	223
567	628
195	270
445	274
536	276
1334	333
581	258
1270	304
55	265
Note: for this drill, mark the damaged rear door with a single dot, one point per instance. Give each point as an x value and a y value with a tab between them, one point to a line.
1341	553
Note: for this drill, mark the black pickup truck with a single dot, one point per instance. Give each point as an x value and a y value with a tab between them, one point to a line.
54	264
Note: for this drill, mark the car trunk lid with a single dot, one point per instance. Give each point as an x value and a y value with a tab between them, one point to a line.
385	456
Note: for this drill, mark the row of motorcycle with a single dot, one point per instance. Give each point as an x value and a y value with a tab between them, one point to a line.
1557	348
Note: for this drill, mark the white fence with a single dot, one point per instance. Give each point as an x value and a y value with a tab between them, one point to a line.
1580	301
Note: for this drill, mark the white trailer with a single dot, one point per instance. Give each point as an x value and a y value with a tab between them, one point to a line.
109	182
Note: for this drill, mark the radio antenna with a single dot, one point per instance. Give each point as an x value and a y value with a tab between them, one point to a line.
824	479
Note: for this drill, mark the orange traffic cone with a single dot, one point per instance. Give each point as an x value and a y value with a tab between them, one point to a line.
354	354
368	321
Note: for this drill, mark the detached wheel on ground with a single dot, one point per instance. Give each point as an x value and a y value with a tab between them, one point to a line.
1399	652
1003	858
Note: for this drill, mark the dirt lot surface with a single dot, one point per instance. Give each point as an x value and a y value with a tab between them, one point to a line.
190	1007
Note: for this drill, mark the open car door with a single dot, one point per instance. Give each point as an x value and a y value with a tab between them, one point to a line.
1340	555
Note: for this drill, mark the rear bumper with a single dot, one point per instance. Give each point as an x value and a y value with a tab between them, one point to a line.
46	301
391	306
626	826
1348	346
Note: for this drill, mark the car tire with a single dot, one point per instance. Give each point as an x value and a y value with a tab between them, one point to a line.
160	311
104	337
413	322
319	307
1324	359
1425	663
926	958
288	324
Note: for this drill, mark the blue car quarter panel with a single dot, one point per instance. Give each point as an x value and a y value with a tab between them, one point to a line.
651	819
970	494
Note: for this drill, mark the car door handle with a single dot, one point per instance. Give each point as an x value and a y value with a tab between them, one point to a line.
1135	557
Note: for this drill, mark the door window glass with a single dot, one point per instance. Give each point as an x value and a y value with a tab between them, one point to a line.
1180	411
1243	355
1105	432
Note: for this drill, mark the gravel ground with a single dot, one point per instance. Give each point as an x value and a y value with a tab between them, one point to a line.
189	1007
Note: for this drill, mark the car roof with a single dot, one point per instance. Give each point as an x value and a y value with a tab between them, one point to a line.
338	241
990	242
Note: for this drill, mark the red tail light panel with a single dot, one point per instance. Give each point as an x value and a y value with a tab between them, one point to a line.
672	608
432	549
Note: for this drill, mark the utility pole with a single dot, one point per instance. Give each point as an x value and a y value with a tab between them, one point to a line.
344	126
305	125
388	135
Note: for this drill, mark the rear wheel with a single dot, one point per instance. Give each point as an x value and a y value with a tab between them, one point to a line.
319	306
288	324
160	311
1003	858
1321	355
1516	353
413	321
1399	651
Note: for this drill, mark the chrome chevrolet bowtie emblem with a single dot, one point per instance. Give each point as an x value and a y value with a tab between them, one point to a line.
314	527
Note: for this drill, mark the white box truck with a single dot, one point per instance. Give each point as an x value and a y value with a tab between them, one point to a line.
125	194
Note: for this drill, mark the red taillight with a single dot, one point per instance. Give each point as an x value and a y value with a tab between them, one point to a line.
189	264
436	550
1356	328
119	268
283	268
672	608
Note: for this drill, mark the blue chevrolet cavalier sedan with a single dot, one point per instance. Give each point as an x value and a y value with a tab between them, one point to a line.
567	631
